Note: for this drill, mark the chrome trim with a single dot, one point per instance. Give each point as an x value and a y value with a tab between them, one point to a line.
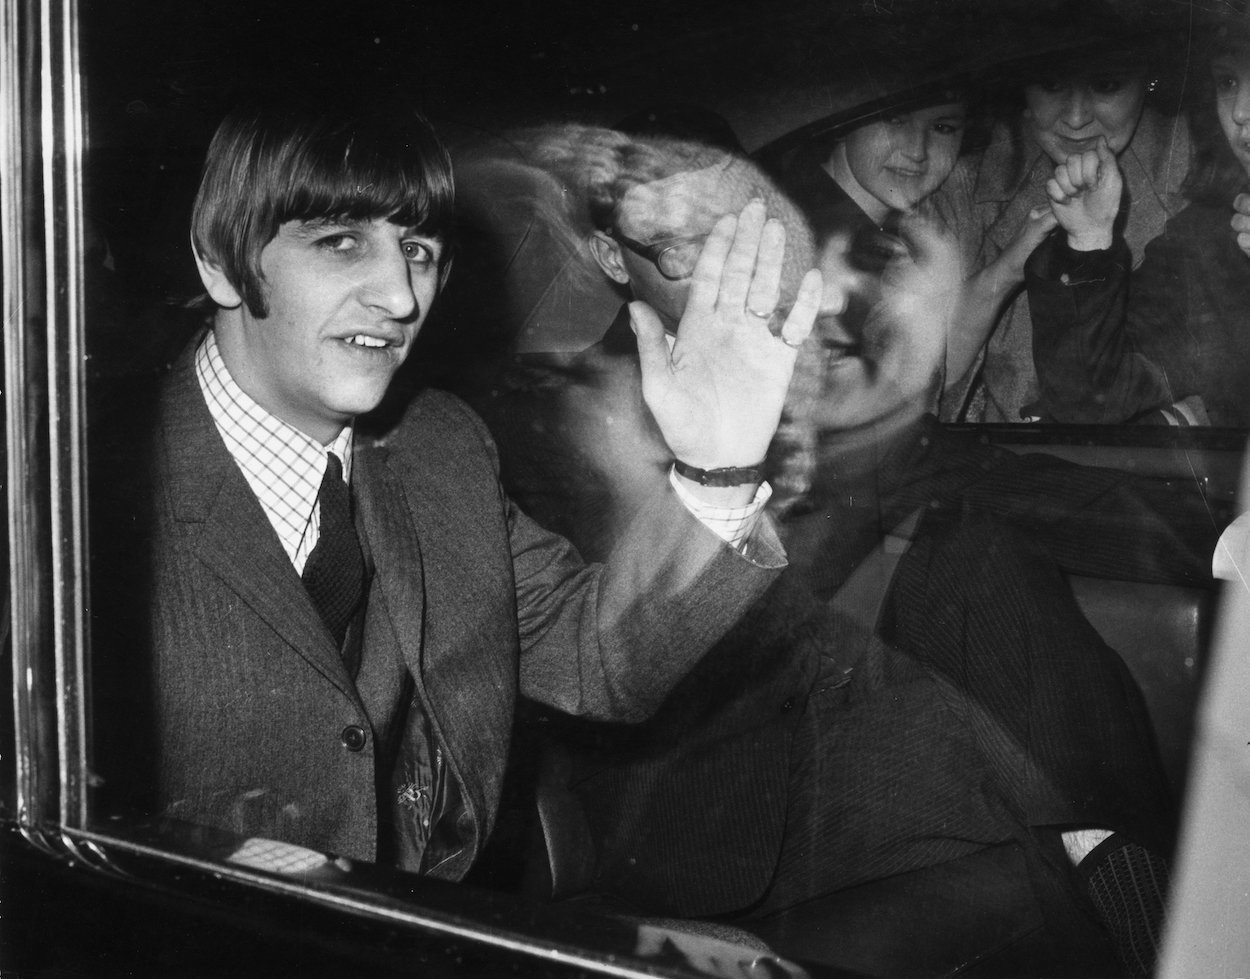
28	575
356	901
41	148
62	132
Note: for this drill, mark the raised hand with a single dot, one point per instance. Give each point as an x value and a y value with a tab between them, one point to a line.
717	395
1085	196
1241	221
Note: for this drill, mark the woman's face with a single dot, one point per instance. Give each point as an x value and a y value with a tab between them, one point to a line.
1231	74
903	159
1066	112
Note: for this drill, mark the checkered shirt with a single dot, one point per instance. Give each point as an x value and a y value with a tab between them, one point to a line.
732	524
283	466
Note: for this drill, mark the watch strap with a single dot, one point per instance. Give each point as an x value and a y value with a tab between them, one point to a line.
726	476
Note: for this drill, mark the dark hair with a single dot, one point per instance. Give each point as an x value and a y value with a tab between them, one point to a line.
300	157
1215	174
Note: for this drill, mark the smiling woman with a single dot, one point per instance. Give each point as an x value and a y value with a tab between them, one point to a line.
897	162
1086	72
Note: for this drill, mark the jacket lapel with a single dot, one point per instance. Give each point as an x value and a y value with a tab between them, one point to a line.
229	532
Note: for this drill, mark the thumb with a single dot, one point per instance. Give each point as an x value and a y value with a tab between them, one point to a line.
1043	219
653	353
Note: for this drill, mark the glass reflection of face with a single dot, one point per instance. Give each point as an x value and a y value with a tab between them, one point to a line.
682	205
887	367
1230	71
1067	110
902	159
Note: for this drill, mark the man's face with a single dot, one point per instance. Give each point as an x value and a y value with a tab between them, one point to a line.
678	206
689	204
903	159
346	300
850	378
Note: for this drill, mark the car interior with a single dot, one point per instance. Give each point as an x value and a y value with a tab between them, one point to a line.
108	110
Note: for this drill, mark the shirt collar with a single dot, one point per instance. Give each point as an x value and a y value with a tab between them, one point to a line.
282	465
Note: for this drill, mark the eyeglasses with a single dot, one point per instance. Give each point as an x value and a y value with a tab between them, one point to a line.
674	257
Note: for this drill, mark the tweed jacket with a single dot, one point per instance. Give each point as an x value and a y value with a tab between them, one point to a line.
260	730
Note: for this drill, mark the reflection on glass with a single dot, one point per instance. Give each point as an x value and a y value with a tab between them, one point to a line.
908	725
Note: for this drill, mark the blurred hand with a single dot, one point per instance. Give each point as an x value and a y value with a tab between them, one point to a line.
1241	221
1085	197
717	396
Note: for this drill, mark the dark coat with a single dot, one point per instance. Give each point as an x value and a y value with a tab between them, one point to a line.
1110	343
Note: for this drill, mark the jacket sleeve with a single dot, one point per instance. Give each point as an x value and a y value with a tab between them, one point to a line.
609	641
1091	368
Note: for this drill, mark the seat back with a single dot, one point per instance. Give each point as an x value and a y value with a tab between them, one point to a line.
1161	632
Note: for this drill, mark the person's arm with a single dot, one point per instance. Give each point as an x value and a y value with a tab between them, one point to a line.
1089	370
987	291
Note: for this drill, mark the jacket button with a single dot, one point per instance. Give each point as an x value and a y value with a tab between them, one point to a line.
353	737
787	705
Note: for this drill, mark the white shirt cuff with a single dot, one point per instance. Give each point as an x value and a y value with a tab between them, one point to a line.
733	525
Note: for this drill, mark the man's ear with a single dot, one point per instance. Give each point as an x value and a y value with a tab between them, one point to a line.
215	282
607	253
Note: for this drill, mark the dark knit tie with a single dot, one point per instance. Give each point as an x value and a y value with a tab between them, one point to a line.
335	572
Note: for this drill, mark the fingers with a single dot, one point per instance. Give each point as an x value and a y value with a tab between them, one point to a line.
706	278
1240	221
1055	192
1241	216
740	265
653	352
1077	174
765	291
739	269
798	324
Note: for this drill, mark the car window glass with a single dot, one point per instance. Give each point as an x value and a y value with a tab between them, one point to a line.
908	146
